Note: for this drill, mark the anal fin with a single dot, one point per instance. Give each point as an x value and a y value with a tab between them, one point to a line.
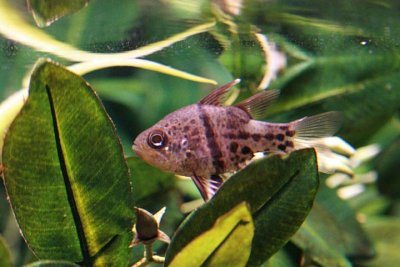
207	186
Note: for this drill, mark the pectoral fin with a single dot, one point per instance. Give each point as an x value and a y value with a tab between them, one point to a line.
207	186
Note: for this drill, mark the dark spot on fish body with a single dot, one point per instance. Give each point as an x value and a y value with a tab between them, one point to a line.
280	137
289	144
246	150
229	136
233	147
269	136
220	165
282	147
195	132
186	128
230	125
243	135
284	128
290	133
256	137
193	121
188	155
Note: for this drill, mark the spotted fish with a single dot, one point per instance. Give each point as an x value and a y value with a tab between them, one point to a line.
208	139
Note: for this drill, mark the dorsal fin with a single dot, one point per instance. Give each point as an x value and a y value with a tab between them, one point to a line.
217	97
256	105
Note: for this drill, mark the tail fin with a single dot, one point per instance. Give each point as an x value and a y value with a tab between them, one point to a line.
318	126
309	132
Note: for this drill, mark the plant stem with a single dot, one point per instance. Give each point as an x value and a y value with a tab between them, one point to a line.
148	257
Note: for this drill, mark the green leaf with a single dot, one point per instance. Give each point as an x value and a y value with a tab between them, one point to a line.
320	239
385	232
280	192
353	239
218	246
66	177
46	12
5	257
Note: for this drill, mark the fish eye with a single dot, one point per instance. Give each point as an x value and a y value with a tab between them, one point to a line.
157	139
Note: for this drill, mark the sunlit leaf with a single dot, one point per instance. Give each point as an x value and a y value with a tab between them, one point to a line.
9	109
46	12
5	257
280	193
65	173
89	66
218	245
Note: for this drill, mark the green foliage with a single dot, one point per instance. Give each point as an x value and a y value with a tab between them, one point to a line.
61	183
273	187
72	184
218	245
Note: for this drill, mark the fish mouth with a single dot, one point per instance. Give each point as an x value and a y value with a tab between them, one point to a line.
137	150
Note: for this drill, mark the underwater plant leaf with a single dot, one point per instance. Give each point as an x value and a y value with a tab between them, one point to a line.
280	193
5	257
353	240
385	233
320	239
9	109
65	175
45	12
218	245
89	66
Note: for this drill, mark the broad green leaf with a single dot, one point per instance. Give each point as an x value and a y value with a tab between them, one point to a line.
5	257
51	263
321	240
280	192
385	232
66	177
218	246
46	12
9	109
353	239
